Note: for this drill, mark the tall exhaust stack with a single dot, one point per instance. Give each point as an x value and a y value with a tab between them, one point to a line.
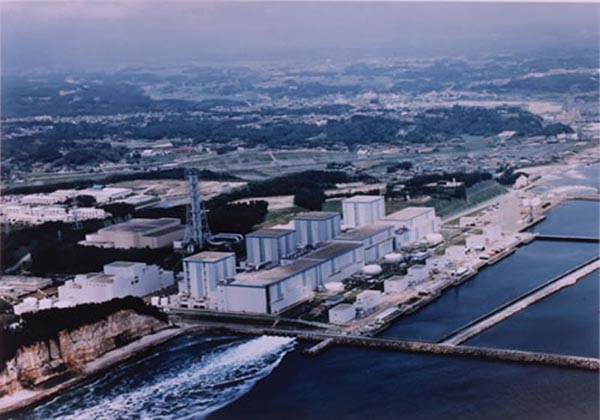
197	230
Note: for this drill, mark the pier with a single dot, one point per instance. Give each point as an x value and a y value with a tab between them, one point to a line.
565	238
518	304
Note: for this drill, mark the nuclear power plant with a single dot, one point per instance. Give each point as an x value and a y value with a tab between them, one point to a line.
285	267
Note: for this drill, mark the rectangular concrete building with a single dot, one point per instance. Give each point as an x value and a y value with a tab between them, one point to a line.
271	291
138	233
316	227
363	210
377	240
204	271
337	260
119	279
269	246
412	224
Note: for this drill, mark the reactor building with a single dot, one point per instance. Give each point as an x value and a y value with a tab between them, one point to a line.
285	267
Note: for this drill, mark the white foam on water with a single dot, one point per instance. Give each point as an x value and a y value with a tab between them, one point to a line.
192	390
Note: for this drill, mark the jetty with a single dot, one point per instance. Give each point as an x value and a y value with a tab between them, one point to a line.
510	308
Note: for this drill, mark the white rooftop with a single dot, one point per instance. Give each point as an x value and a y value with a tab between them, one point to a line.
363	199
408	213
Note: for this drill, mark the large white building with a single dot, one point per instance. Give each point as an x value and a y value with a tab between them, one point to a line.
119	279
316	227
363	210
412	224
377	240
204	271
269	246
138	233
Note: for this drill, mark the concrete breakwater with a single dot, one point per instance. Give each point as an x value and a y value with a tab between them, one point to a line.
508	309
327	340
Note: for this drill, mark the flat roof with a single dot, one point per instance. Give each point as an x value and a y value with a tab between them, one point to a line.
165	231
264	278
123	264
270	233
342	307
363	199
363	232
141	225
209	256
408	213
332	250
320	215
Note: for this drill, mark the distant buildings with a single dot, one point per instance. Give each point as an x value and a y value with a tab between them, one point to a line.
138	233
38	214
119	279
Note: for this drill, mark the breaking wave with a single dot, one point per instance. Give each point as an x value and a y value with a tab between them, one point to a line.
186	387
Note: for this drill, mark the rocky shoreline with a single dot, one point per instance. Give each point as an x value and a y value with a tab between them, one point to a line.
89	364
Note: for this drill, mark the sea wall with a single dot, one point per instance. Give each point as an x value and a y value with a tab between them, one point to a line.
67	354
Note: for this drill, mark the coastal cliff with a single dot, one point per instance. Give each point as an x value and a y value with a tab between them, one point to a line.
67	352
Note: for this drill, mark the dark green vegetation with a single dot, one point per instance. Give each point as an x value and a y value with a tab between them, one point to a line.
177	173
309	199
431	185
445	206
292	184
45	325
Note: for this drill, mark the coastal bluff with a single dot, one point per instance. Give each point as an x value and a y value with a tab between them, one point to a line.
40	361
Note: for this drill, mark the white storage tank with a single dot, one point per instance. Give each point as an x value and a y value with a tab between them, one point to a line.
155	300
372	269
393	258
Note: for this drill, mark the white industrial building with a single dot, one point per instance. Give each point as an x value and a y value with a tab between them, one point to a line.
269	246
119	279
271	291
210	278
412	224
377	240
315	227
368	299
363	210
204	271
138	233
37	214
342	314
337	261
396	284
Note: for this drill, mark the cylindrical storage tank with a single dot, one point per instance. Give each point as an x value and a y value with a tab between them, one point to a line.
393	258
434	238
164	301
155	300
372	269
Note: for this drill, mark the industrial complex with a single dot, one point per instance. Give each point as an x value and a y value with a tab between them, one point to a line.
286	267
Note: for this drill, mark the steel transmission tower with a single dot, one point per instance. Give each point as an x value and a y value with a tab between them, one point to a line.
197	231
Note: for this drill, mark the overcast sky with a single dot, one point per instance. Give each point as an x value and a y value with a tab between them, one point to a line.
79	34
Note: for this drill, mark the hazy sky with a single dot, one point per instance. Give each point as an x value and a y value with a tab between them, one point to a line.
79	34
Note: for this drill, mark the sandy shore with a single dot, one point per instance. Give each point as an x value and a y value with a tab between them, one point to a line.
25	398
